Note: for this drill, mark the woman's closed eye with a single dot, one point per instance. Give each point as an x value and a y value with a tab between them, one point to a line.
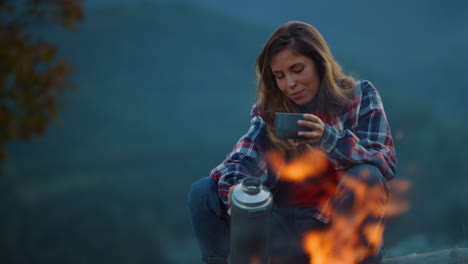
279	76
298	69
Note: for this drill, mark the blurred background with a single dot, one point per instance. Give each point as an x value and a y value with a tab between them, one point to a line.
164	90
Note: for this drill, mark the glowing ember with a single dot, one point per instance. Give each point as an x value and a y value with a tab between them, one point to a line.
352	235
254	260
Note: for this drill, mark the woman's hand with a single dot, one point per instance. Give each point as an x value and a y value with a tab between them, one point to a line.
231	189
315	124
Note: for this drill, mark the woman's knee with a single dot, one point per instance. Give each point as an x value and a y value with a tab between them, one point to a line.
203	194
201	187
368	174
359	185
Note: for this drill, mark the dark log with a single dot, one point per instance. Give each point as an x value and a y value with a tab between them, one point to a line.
447	256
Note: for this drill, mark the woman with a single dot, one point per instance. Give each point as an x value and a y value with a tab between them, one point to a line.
297	73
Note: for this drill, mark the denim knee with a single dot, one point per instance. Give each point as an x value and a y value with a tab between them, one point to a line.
368	174
209	221
203	196
371	176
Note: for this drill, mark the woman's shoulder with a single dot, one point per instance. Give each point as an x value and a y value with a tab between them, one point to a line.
365	85
363	88
257	109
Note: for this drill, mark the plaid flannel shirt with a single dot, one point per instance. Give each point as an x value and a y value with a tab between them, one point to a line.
359	134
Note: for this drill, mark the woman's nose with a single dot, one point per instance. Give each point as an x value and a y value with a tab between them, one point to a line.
291	82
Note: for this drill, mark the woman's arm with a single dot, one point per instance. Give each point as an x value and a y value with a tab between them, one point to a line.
246	159
371	142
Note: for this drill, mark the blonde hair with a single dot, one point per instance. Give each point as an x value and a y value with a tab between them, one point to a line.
335	87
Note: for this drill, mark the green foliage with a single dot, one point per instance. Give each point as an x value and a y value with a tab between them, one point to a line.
31	76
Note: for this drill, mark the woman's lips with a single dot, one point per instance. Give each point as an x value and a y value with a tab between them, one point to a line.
296	95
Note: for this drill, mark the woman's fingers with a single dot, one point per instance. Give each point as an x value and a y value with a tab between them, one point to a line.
310	125
310	134
231	189
313	118
316	127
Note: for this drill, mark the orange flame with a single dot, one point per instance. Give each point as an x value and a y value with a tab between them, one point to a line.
351	236
311	164
396	204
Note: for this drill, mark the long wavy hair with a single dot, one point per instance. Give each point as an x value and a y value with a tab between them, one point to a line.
335	88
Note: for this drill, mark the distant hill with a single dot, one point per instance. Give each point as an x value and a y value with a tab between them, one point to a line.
416	46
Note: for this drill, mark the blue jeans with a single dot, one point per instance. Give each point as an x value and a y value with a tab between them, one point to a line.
210	221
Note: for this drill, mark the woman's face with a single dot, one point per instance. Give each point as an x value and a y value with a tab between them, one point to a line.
296	76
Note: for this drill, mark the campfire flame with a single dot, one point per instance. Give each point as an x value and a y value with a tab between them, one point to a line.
311	164
353	235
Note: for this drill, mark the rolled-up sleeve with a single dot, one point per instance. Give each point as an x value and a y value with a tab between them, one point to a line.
247	158
370	142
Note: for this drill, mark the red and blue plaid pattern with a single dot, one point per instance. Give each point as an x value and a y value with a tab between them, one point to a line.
359	134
